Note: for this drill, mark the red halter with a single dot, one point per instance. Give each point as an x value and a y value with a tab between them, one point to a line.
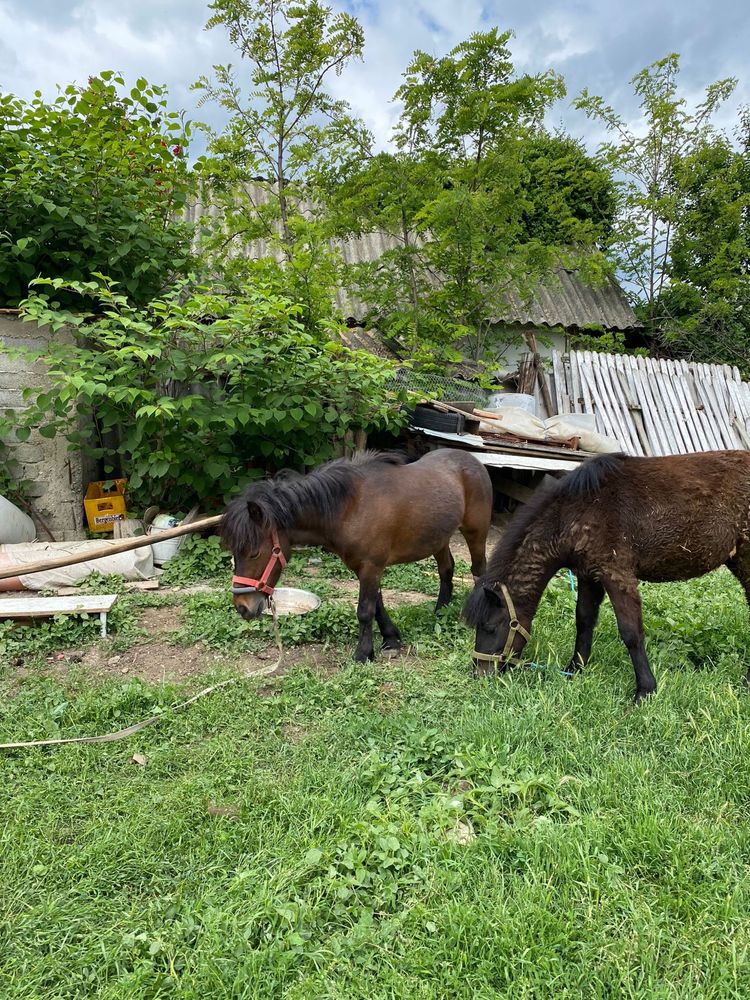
261	586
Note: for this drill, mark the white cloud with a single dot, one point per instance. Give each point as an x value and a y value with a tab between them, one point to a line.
594	43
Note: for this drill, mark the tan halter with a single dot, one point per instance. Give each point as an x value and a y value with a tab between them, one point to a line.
514	628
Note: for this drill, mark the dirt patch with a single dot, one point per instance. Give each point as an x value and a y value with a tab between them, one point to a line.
460	549
349	589
155	662
159	621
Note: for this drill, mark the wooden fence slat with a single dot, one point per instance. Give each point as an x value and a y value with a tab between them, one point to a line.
704	411
651	415
625	376
619	403
561	397
723	407
665	410
575	386
714	409
680	380
739	420
680	421
597	391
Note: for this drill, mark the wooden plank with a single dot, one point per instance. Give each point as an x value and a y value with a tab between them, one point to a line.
608	409
717	410
738	418
544	387
667	409
588	403
505	461
558	386
504	445
517	491
27	569
44	607
680	422
567	381
615	403
681	377
619	402
576	397
627	382
651	415
705	412
742	393
701	415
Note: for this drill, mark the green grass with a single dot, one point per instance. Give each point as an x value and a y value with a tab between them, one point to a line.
390	830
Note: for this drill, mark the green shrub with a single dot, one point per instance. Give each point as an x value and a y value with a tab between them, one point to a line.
91	182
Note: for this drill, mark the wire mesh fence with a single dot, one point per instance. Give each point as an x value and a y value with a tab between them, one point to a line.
439	386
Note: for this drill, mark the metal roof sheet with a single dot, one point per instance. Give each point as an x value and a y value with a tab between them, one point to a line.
563	299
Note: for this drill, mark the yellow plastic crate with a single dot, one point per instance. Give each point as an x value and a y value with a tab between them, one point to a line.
105	506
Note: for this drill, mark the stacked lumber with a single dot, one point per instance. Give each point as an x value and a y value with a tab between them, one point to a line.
655	406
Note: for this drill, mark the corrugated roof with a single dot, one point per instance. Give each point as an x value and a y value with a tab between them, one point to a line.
563	300
358	339
566	300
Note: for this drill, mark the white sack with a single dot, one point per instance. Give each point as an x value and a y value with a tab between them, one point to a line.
514	420
564	426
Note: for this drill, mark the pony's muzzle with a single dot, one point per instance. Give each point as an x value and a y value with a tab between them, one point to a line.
488	664
249	603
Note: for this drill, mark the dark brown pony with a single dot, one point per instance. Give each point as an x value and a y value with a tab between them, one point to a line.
614	521
373	511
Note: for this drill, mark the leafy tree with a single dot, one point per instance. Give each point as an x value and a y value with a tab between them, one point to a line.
204	389
476	198
648	177
91	182
570	198
284	127
707	302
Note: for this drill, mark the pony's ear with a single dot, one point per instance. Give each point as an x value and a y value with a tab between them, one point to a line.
254	512
492	595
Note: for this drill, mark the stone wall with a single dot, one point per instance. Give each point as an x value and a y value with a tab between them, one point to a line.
57	475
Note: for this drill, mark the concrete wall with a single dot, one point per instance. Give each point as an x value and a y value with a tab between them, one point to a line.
56	474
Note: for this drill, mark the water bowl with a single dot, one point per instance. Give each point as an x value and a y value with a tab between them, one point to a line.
292	601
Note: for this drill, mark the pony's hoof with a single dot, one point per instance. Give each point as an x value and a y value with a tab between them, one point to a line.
641	696
391	652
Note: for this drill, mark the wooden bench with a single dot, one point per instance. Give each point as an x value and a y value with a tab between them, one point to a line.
47	607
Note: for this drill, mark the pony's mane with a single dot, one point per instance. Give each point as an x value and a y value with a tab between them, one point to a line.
281	500
584	481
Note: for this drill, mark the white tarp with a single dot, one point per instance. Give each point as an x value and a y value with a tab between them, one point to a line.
138	564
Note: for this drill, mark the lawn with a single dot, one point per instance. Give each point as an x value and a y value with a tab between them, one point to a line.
391	830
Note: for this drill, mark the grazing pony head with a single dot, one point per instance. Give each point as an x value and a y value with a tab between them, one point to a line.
500	636
259	542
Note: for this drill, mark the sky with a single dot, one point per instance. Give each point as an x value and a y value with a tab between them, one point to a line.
598	45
